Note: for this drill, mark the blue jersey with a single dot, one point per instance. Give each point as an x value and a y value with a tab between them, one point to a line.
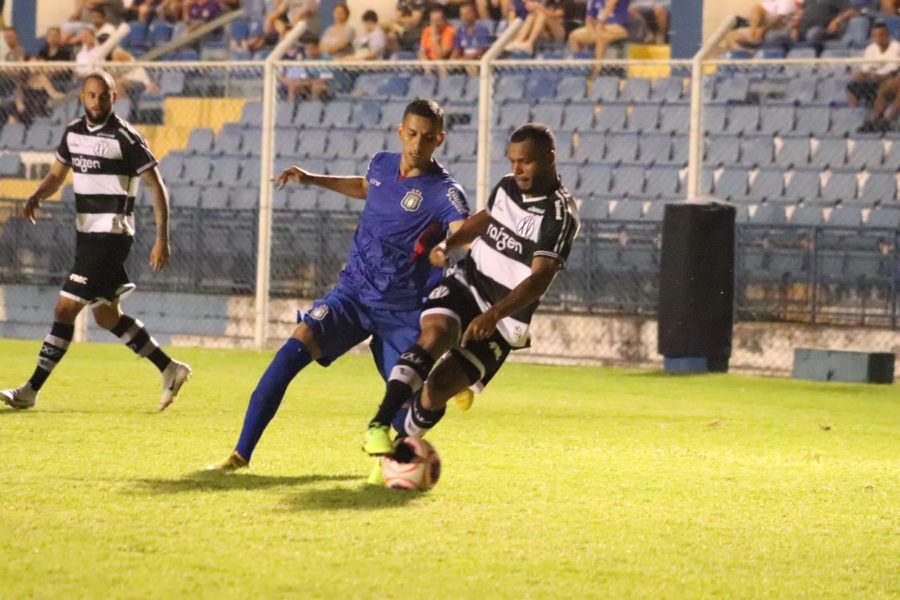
384	269
619	14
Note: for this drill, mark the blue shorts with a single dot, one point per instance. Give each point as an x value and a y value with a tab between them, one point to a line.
339	321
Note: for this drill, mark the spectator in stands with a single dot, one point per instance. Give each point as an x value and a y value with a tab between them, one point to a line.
140	10
606	22
890	7
337	40
815	22
28	92
545	19
405	31
99	22
489	10
451	7
885	108
201	12
82	16
372	42
439	38
768	16
865	82
306	83
289	13
170	11
653	18
473	38
14	50
53	50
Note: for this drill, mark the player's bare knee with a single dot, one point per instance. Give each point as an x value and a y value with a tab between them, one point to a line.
305	335
67	310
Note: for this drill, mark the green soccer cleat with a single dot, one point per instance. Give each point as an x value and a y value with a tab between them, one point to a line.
376	477
377	441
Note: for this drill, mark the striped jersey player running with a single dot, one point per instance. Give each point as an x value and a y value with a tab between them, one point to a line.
108	158
482	308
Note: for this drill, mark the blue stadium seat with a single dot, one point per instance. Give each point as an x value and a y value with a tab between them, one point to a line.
655	148
240	29
509	87
812	119
368	84
627	210
499	137
714	116
656	210
284	115
802	185
887	217
767	184
605	89
171	167
38	136
341	166
10	165
757	150
846	120
201	141
846	216
801	90
662	182
285	142
311	143
594	180
565	142
461	144
880	188
229	140
612	117
571	88
866	153
337	113
723	149
308	114
637	89
892	156
251	141
794	151
857	32
680	147
456	87
541	86
394	86
732	89
366	114
466	173
243	198
512	114
341	144
667	89
593	210
742	119
644	117
197	169
732	183
621	147
171	83
590	147
628	181
777	119
832	90
422	86
160	33
137	35
674	118
227	170
392	114
769	214
548	113
185	196
578	116
568	173
808	216
830	152
841	186
368	143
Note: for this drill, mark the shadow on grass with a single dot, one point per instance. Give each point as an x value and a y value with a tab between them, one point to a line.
211	481
364	497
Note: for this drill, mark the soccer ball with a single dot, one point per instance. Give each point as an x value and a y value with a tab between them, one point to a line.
422	473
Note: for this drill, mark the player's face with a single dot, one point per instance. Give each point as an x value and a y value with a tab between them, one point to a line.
532	169
97	99
419	137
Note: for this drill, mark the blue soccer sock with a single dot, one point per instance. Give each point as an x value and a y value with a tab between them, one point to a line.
266	398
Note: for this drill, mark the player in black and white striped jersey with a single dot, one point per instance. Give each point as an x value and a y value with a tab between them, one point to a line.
482	308
108	159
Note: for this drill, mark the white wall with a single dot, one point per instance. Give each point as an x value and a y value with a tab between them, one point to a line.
715	11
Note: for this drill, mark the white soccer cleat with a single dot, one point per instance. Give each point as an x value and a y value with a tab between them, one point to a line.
174	376
20	397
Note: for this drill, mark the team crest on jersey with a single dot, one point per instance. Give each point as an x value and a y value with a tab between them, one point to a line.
101	148
525	227
439	292
412	200
319	312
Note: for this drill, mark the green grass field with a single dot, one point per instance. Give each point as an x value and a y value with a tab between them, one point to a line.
560	482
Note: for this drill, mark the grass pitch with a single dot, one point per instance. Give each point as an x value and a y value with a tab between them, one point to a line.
560	482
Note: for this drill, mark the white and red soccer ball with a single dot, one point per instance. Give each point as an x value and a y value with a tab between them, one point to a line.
422	473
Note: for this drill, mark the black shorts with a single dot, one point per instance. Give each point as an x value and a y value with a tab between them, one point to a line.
484	358
98	276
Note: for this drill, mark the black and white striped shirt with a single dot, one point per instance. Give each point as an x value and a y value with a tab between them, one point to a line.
520	229
106	162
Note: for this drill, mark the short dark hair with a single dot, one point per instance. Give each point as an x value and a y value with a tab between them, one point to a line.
470	5
344	6
99	10
538	133
879	25
428	109
308	37
438	8
370	16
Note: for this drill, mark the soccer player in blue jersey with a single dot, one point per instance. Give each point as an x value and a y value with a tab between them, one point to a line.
411	204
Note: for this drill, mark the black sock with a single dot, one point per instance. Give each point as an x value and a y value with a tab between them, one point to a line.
52	351
407	377
132	332
420	420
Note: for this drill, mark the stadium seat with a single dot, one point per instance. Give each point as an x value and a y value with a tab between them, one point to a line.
368	84
366	114
512	114
857	32
865	153
569	173
732	183
794	151
456	88
637	89
226	170
832	90
541	86
201	141
244	198
803	184
655	148
12	136
213	198
886	217
829	152
644	117
605	89
171	167
722	149
369	143
341	144
621	147
757	150
714	116
777	119
627	210
846	216
38	136
667	89
732	89
768	183
422	86
309	114
594	180
499	137
284	115
548	113
801	90
812	119
461	144
171	83
675	118
680	147
628	181
160	33
394	86
197	169
808	216
565	142
185	196
612	117
591	145
880	187
509	87
846	120
655	211
571	88
578	116
593	210
251	141
466	173
742	119
337	113
137	35
768	214
311	143
285	142
10	165
662	182
892	156
392	114
840	186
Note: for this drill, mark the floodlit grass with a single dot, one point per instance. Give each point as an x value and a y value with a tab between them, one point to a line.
560	482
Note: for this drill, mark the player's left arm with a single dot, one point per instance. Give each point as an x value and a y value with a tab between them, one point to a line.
159	256
532	289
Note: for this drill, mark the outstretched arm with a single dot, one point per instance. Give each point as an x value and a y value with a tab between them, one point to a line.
532	289
47	188
159	256
463	235
355	187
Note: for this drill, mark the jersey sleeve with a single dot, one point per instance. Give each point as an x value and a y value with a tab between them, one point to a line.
456	208
557	233
372	169
137	154
62	151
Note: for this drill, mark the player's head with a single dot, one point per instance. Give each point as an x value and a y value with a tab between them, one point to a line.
880	34
421	132
532	158
98	93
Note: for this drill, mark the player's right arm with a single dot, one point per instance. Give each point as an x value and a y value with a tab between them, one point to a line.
54	179
471	228
355	187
